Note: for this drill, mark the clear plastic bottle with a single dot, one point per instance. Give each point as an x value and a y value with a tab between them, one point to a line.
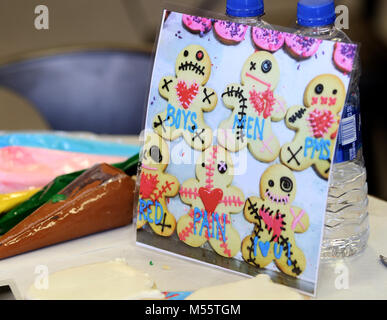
346	229
247	12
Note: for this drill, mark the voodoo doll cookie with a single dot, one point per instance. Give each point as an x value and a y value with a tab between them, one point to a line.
254	106
155	186
212	199
316	124
276	221
187	99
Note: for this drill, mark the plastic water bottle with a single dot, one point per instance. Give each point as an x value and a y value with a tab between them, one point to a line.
247	12
346	224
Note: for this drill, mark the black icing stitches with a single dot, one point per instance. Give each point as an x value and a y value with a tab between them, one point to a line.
238	93
192	67
297	115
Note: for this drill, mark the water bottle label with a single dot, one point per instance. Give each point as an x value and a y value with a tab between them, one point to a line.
349	135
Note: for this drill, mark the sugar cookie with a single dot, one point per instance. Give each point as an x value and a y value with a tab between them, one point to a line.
267	39
254	106
230	32
316	124
276	221
197	24
302	47
344	55
155	186
187	99
212	199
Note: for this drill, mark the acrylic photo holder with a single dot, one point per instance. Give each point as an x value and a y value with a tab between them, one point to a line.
240	133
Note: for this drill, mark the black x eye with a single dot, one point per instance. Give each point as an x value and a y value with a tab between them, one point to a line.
199	55
155	154
266	66
253	66
185	53
271	183
222	167
286	184
319	88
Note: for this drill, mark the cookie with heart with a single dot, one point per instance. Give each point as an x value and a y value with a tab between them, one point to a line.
212	200
187	99
254	106
275	221
316	124
155	187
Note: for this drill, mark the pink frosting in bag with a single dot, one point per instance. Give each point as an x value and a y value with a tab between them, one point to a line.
267	39
303	47
22	168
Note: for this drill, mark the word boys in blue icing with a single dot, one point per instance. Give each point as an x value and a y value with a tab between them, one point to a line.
178	118
187	99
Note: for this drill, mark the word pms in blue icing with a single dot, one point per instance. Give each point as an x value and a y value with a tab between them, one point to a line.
181	118
145	211
203	216
251	126
318	147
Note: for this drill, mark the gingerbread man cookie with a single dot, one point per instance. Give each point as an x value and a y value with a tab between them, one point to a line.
212	199
155	186
254	106
187	99
276	221
316	124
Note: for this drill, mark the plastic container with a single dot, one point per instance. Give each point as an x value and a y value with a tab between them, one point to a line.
346	229
247	12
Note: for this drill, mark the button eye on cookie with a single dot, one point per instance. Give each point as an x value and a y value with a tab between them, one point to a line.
266	66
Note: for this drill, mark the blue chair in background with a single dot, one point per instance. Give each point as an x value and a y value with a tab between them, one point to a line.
98	90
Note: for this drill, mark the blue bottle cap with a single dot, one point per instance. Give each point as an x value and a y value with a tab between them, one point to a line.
245	8
315	13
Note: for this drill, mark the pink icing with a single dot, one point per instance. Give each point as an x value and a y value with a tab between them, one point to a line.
22	168
267	39
303	47
197	24
343	56
231	31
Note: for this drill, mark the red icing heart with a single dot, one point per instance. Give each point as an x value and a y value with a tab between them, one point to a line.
210	198
185	94
320	122
274	222
263	102
148	184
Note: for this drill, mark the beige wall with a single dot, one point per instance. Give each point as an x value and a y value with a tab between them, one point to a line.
125	22
129	22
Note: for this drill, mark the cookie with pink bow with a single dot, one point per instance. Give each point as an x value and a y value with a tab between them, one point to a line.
254	106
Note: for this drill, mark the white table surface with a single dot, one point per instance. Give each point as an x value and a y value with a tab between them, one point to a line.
367	277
